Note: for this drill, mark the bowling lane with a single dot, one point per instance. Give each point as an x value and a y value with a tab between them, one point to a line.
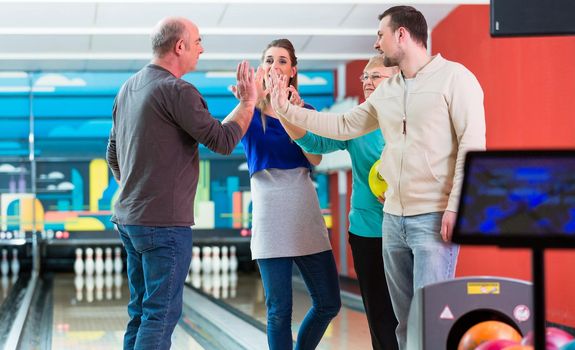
244	293
90	313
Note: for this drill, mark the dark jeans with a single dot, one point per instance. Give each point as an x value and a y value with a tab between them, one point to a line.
319	273
368	263
158	262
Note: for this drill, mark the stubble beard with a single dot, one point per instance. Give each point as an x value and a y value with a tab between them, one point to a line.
390	61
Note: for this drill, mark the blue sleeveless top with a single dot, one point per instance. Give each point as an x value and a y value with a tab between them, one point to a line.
272	148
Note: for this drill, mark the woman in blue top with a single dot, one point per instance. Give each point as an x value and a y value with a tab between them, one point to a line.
366	213
287	224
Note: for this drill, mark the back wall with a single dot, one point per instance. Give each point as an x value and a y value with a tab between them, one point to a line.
529	86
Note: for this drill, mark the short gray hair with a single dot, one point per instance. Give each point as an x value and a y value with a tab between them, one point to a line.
166	34
375	61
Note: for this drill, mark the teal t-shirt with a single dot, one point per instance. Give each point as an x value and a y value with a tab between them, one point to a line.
366	213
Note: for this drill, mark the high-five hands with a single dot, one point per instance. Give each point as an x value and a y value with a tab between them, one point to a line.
247	86
278	91
263	90
295	98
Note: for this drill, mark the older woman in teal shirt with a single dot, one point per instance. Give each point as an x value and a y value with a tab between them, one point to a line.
366	213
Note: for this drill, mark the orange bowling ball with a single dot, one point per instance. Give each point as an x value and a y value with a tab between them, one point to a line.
485	331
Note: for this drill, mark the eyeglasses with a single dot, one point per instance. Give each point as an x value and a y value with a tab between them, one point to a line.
373	77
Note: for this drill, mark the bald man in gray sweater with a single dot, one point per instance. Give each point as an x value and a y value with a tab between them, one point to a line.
158	122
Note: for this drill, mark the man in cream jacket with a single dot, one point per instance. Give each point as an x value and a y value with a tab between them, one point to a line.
430	114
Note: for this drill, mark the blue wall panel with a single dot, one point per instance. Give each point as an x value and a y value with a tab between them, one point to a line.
12	105
73	106
72	128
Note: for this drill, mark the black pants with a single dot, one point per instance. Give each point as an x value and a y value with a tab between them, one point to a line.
368	264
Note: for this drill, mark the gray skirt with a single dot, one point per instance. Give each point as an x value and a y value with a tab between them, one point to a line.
286	217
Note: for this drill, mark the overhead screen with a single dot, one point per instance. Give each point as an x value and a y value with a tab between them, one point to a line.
532	17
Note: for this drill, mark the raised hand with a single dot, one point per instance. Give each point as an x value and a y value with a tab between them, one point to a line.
295	98
263	90
278	92
246	88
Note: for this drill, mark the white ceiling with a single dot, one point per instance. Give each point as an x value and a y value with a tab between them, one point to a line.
113	35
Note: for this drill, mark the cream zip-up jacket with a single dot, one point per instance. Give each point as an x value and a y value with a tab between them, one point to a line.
428	128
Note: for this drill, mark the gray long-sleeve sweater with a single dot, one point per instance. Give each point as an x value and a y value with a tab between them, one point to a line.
158	121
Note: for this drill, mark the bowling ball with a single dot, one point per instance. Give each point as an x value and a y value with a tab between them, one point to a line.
498	344
569	346
485	331
518	347
555	338
377	184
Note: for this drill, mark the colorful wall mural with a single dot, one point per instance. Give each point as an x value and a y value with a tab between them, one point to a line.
68	117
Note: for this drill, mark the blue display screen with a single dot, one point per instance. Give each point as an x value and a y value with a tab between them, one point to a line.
515	195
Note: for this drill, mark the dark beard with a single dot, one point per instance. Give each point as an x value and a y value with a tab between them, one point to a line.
389	62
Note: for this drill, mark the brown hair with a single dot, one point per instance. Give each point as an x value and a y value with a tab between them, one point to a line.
288	46
409	18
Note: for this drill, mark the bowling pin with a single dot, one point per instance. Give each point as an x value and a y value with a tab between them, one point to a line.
216	285
207	260
99	286
79	285
5	286
15	264
225	259
99	263
109	283
189	274
207	282
233	283
89	262
109	262
233	259
89	286
196	280
79	263
4	266
118	280
216	262
196	260
118	263
225	283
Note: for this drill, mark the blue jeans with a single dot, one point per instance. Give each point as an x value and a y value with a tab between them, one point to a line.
319	273
414	255
158	262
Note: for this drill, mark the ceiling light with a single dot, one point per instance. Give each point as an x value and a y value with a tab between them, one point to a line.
203	31
147	56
